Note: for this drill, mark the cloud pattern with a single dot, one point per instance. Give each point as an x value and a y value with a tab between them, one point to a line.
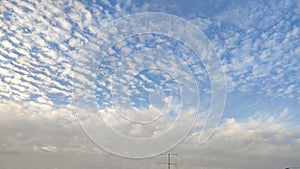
258	45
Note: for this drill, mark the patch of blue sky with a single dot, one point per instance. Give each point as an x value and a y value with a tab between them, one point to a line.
53	45
139	89
26	30
25	9
157	83
58	98
65	82
6	15
102	91
244	105
247	34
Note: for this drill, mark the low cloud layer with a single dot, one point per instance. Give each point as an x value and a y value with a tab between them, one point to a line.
39	45
59	142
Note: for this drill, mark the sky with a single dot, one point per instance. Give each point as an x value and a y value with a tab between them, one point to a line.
117	84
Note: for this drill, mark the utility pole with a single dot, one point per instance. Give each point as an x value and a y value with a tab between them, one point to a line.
169	162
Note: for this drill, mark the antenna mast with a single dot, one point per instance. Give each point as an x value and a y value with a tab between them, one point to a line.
169	162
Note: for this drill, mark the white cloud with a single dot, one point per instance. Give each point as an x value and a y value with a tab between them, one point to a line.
37	58
255	142
257	44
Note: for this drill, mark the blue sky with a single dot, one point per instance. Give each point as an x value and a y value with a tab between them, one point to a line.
52	65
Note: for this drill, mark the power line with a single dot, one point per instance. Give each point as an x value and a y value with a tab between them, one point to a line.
169	160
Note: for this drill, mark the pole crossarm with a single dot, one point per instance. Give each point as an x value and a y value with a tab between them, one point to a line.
169	163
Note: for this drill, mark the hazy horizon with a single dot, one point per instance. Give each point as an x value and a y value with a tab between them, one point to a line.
103	84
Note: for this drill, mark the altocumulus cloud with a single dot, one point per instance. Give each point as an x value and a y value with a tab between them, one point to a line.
38	49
